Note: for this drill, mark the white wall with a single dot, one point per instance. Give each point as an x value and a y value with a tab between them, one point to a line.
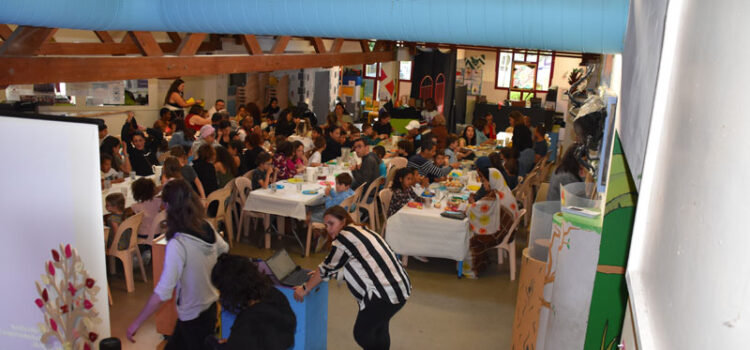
688	267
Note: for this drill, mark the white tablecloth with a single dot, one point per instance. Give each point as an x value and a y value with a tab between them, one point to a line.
423	232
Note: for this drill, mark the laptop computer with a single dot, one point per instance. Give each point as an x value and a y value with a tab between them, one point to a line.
285	270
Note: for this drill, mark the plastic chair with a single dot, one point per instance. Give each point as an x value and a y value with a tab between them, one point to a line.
524	194
385	202
244	187
391	174
372	207
155	230
399	162
541	194
221	196
350	203
509	245
126	255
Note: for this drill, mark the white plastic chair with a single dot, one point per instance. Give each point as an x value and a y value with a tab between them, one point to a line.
399	162
126	255
510	246
222	214
385	203
155	230
372	207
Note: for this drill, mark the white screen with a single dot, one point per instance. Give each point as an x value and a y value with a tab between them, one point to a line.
281	264
51	194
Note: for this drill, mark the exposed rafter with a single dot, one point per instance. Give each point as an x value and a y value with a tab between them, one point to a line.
280	45
337	45
103	36
251	44
190	44
26	41
318	44
175	37
146	43
5	31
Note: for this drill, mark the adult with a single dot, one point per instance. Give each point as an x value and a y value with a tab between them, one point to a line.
334	142
374	276
174	100
342	115
226	168
207	137
196	118
218	106
412	133
111	146
479	124
140	158
568	171
522	143
241	114
468	137
423	162
192	249
264	319
383	126
490	218
167	120
332	121
182	136
489	127
367	171
272	109
204	167
497	161
440	131
103	132
429	111
224	132
286	125
254	111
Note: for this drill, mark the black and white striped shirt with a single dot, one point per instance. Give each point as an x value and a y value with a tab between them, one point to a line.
371	268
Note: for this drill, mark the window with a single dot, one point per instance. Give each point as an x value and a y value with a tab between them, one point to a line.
107	93
524	73
404	71
371	70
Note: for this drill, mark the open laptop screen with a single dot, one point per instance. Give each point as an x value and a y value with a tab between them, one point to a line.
281	264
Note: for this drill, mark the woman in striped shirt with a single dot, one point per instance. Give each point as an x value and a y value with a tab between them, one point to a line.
372	272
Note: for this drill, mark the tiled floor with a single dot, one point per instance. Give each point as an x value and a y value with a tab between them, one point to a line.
442	313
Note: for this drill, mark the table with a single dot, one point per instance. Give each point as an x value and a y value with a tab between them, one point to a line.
423	232
289	202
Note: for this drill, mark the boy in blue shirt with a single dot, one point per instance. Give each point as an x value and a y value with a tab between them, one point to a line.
335	196
380	152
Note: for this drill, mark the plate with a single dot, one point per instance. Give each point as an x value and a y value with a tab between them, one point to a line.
310	192
295	181
279	187
473	188
326	183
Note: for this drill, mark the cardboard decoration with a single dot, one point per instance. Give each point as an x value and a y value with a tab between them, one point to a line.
528	302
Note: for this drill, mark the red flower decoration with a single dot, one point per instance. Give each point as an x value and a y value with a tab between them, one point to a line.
513	206
45	296
86	346
500	194
87	304
482	231
53	324
39	302
72	289
89	282
64	309
93	336
50	268
471	227
55	255
485	208
68	252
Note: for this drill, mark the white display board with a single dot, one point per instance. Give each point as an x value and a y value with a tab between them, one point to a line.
51	195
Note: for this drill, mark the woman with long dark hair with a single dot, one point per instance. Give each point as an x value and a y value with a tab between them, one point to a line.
192	249
111	146
174	100
373	274
264	320
272	109
568	171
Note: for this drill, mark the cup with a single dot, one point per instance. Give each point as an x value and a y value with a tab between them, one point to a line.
272	186
427	201
107	184
299	187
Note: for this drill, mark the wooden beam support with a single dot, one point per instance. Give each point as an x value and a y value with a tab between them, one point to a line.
146	43
5	31
191	44
381	45
103	36
36	70
318	44
337	45
251	44
79	49
26	41
365	45
280	45
175	37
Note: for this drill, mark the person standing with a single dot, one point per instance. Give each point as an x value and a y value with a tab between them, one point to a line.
193	247
372	272
174	100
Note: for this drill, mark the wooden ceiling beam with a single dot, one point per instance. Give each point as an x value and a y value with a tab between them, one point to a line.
381	45
364	45
26	41
318	45
175	37
146	43
103	36
110	48
280	45
31	70
190	45
251	44
5	31
338	43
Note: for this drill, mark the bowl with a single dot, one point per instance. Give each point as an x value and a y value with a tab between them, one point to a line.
454	188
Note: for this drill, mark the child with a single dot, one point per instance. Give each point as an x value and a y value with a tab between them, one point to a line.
454	151
172	170
335	196
319	144
265	173
115	204
540	143
402	189
144	193
368	134
107	171
440	159
188	173
380	152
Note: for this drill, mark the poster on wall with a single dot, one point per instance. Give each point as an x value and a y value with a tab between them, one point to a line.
473	81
